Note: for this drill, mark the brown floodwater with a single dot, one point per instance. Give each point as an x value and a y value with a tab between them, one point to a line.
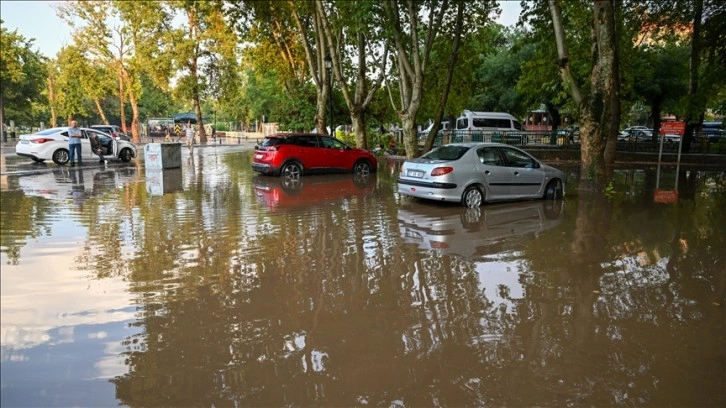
211	286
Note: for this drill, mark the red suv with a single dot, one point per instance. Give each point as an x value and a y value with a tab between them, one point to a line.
294	154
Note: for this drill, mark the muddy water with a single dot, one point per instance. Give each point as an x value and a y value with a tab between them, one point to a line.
210	286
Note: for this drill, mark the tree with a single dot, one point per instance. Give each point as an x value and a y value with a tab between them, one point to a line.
205	40
413	32
599	109
363	40
23	76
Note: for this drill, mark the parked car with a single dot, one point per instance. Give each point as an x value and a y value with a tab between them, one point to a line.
295	154
112	130
52	144
474	173
636	135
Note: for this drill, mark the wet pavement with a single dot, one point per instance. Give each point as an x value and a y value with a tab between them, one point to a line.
211	286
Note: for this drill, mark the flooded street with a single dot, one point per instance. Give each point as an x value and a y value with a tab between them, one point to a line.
211	286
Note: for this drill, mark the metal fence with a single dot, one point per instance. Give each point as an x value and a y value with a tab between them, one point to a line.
699	144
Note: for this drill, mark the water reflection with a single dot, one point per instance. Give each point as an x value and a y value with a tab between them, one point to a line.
289	192
471	232
244	290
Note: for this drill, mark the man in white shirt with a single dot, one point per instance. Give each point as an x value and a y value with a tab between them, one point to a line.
74	143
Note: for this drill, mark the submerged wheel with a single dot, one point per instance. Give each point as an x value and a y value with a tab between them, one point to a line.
125	155
362	168
292	169
61	156
554	189
472	197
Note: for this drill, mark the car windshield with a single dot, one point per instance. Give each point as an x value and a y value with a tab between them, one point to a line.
446	153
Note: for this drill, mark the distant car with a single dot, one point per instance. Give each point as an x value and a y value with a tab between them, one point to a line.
474	173
295	154
52	144
636	135
112	130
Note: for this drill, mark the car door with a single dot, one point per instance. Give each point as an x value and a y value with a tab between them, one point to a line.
497	176
527	173
86	150
306	150
335	154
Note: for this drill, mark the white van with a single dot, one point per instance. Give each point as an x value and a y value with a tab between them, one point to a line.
487	121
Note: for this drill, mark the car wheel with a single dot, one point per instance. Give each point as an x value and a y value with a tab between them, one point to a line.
362	168
292	169
125	155
554	189
61	156
472	197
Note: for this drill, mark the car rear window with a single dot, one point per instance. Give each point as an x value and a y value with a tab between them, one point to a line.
48	132
446	153
272	141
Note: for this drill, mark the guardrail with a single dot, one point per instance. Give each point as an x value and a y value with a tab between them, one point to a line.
569	141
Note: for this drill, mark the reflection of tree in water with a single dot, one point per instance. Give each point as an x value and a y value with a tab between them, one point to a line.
337	311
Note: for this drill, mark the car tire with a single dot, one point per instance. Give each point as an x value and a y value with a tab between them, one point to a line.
61	156
472	197
554	190
125	155
291	169
362	167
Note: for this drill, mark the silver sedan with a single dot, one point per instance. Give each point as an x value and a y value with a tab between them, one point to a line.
474	173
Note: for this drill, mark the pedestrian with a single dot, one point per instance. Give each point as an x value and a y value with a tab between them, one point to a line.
74	144
190	138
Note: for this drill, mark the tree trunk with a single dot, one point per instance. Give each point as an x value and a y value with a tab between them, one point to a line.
101	113
357	118
597	109
693	109
441	105
51	102
134	108
121	93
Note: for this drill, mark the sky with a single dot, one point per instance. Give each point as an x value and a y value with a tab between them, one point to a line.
38	20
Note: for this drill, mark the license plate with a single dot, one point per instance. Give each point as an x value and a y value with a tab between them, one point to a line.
415	173
258	156
24	141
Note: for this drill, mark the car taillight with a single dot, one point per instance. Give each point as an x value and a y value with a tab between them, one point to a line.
41	140
440	171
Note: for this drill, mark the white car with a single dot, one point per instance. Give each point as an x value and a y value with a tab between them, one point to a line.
52	144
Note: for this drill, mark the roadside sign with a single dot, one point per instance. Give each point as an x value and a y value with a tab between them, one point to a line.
177	129
665	196
673	128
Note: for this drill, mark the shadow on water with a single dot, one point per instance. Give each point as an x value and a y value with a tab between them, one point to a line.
237	289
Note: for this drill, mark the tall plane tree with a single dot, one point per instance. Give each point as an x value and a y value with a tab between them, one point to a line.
205	38
414	28
599	109
361	42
